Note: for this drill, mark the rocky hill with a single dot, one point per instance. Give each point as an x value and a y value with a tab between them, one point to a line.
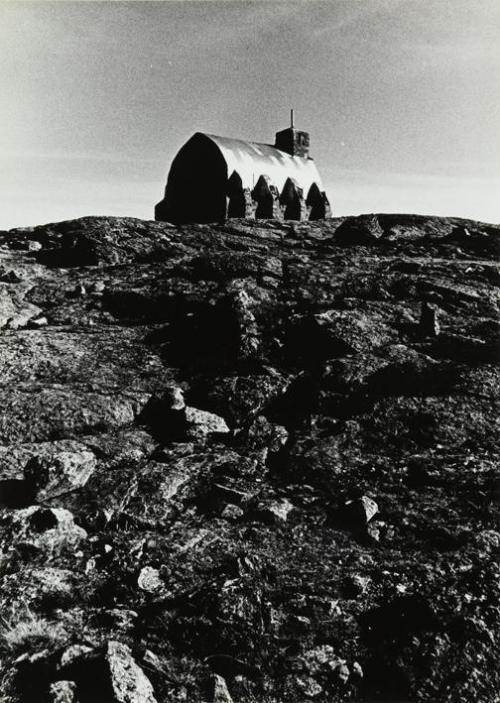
250	462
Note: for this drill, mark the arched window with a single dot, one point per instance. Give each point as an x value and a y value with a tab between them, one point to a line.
316	202
236	195
263	196
293	200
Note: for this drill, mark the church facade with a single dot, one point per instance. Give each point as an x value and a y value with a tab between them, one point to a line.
213	178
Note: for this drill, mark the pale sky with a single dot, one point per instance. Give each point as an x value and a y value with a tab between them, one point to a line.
401	97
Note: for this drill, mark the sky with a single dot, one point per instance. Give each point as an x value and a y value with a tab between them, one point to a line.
401	98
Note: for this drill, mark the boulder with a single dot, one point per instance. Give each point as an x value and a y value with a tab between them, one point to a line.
262	434
220	691
324	664
149	580
308	686
46	587
123	446
50	531
30	472
60	473
460	232
97	241
201	424
360	511
404	371
165	414
335	333
128	681
10	275
355	585
238	399
274	511
74	655
79	291
97	288
350	374
356	671
172	420
488	541
173	398
172	482
232	512
33	245
37	322
15	310
63	692
30	413
372	533
363	229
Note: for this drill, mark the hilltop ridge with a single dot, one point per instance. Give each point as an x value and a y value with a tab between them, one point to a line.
254	461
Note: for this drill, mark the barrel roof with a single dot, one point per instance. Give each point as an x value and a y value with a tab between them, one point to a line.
251	160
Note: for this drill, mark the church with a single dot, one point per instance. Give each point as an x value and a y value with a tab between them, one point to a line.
212	179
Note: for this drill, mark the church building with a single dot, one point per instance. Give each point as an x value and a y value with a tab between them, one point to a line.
215	178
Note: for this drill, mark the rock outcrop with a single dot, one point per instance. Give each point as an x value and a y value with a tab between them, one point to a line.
250	461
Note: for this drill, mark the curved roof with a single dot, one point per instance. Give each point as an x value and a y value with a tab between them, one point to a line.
252	160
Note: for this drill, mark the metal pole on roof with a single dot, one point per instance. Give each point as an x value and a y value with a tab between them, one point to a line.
291	118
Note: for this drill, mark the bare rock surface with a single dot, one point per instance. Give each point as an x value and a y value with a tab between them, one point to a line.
255	461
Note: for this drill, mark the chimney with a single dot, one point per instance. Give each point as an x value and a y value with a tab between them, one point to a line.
293	141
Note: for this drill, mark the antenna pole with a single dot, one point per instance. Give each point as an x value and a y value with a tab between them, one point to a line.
291	118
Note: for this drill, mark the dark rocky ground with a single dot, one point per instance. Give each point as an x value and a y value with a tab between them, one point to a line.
317	522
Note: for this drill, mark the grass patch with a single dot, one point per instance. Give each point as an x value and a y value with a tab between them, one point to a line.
25	631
